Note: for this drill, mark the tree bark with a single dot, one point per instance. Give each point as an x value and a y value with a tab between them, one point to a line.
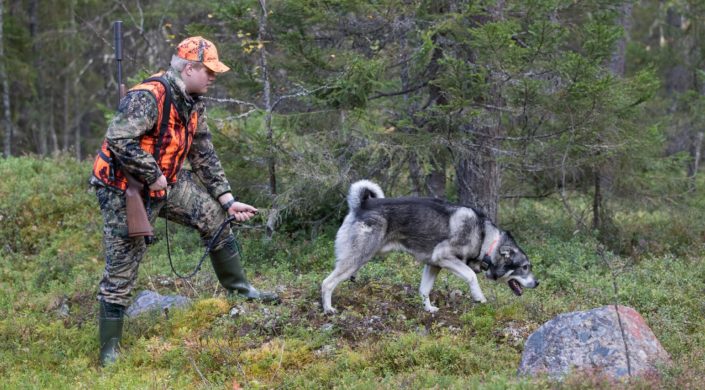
478	173
69	88
435	180
478	176
66	115
697	155
273	217
619	57
39	98
52	128
602	172
7	112
597	201
77	130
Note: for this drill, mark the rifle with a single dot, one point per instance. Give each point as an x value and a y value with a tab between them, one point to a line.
137	221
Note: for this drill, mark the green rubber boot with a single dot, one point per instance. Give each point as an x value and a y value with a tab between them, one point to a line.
227	267
110	324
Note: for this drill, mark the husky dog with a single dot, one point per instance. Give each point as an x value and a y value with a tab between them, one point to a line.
437	233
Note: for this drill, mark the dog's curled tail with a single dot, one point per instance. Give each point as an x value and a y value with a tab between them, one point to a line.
362	190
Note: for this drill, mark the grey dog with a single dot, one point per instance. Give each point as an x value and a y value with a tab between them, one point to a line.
437	233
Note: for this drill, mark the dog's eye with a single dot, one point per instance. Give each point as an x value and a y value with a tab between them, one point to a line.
525	267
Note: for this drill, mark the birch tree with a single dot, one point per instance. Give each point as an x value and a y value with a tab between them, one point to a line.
7	112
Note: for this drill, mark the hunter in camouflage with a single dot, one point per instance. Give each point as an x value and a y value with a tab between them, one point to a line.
151	141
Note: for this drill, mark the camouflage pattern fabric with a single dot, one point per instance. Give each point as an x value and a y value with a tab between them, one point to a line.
187	203
137	115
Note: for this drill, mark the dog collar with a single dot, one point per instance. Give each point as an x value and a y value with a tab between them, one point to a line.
486	262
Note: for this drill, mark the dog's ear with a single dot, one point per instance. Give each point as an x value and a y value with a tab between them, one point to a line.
506	251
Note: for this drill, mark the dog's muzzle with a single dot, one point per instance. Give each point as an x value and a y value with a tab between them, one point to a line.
517	286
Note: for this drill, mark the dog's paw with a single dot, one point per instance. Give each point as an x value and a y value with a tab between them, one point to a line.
431	309
329	311
481	300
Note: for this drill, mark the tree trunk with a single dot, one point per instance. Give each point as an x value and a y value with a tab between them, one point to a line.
693	168
602	173
597	201
273	217
66	116
415	176
52	128
619	57
7	112
77	130
478	177
39	98
435	180
69	88
478	173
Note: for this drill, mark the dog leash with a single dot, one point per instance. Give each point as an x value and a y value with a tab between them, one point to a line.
209	247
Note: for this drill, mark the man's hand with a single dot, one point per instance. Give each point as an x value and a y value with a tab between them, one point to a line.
242	211
158	185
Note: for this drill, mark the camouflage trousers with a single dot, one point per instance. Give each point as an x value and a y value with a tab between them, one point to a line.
187	203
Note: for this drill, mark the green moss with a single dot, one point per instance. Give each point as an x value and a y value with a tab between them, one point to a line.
51	260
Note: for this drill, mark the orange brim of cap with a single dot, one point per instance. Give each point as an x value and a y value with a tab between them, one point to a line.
216	66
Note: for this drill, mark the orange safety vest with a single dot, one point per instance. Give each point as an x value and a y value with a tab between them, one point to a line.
169	141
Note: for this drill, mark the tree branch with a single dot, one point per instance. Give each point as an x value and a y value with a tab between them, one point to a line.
231	100
397	93
302	92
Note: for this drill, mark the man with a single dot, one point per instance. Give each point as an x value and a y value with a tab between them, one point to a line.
159	124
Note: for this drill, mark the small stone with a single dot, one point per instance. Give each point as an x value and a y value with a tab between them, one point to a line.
63	311
325	350
147	301
421	330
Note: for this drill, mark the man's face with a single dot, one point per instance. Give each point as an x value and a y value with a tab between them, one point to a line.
197	79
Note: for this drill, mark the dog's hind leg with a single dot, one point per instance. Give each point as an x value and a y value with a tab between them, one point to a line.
343	270
466	273
428	277
355	244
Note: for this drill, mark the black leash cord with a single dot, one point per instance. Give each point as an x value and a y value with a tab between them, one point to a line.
208	248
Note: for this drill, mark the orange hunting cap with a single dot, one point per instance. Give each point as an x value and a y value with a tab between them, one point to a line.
199	49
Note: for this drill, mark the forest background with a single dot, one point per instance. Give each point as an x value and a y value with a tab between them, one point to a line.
575	124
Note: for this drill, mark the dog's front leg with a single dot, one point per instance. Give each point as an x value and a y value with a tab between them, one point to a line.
428	277
466	273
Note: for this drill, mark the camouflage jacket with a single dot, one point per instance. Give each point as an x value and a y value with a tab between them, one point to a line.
137	115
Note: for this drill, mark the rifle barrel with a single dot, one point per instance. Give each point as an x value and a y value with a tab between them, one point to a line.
117	27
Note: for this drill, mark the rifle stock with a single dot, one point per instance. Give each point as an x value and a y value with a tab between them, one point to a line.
137	219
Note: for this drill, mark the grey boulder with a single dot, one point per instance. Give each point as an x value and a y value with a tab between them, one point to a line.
594	341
